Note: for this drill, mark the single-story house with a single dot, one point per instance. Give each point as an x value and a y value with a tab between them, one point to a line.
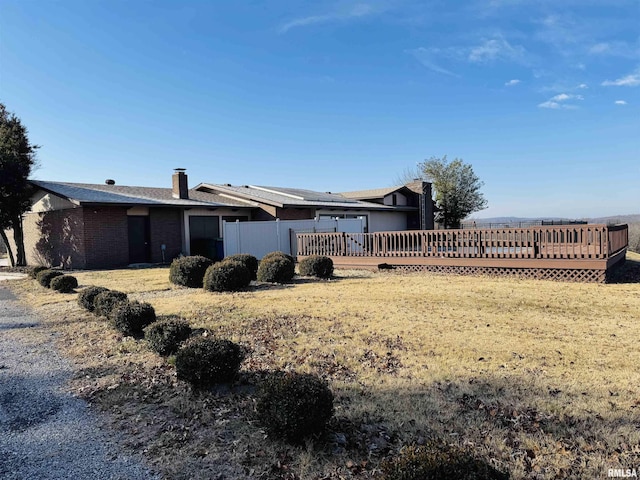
87	226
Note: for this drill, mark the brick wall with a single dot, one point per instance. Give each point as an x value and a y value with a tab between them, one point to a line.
165	228
54	239
106	237
295	213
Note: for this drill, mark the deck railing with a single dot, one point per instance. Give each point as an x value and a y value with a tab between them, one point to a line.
618	238
548	242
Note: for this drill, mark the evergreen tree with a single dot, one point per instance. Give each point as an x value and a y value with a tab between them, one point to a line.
17	158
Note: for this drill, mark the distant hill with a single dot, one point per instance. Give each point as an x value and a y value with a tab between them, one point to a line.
635	218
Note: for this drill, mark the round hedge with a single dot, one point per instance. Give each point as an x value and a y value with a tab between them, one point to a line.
130	318
44	277
205	361
294	405
279	254
165	336
247	260
316	266
189	271
64	283
87	296
226	276
437	459
33	271
276	267
104	302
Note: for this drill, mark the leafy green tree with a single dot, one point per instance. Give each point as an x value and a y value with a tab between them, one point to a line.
17	158
457	189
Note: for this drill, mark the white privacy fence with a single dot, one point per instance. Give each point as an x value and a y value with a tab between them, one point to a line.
260	238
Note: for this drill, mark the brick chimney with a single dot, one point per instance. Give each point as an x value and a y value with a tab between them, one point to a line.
180	187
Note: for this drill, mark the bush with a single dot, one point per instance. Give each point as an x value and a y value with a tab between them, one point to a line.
279	255
437	460
294	405
248	261
189	271
276	267
87	296
44	277
316	266
33	271
130	318
226	276
104	302
165	336
204	361
64	283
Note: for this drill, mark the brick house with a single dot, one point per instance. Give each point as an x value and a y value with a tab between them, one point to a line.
85	226
92	226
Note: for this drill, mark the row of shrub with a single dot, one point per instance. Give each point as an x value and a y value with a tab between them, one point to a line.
290	406
128	317
235	272
53	279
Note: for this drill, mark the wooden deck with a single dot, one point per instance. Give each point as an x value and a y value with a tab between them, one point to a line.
568	252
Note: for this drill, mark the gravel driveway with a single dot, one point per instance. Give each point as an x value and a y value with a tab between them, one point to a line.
45	432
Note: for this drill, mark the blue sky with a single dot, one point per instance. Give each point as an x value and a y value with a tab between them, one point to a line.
541	97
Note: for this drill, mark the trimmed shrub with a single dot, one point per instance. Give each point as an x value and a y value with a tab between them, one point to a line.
247	260
87	296
165	336
130	318
276	267
64	283
44	277
226	276
205	361
437	460
279	254
104	302
33	271
294	405
189	271
316	266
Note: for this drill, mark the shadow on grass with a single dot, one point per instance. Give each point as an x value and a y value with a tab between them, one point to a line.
628	272
297	280
510	422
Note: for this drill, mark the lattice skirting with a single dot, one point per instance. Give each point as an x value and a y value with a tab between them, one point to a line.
560	274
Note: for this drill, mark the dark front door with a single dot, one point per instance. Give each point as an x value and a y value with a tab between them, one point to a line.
139	240
204	232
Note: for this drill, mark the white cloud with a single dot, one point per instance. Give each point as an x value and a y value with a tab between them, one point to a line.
599	48
583	85
494	49
512	83
559	102
425	57
631	80
357	11
564	97
615	48
620	102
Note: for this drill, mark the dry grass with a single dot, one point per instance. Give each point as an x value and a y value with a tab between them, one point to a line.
540	378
